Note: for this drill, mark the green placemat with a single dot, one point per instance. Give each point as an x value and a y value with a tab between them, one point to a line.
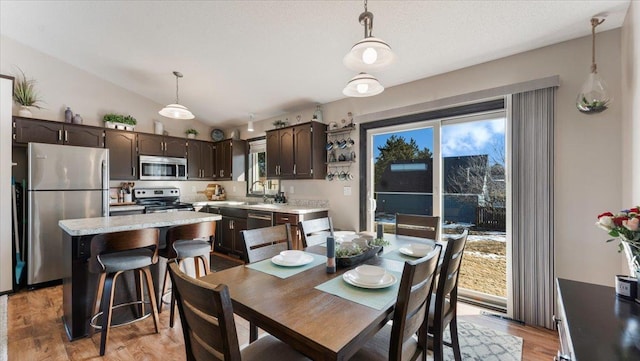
374	298
271	268
395	255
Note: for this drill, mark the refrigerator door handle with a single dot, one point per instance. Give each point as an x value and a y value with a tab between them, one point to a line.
105	188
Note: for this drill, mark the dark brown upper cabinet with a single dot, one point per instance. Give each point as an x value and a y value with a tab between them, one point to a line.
152	144
297	152
43	131
123	155
201	159
230	160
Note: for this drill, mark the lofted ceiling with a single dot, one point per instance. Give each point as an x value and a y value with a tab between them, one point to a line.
275	57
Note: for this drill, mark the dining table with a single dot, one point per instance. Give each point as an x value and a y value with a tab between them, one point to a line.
319	314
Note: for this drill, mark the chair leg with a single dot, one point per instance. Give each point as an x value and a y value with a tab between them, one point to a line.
164	285
106	306
152	297
97	302
438	345
253	332
455	345
205	264
172	306
139	292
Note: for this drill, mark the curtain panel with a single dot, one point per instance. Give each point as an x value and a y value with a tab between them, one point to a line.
532	220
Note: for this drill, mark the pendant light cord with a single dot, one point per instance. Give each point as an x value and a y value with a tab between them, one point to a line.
594	22
366	19
177	99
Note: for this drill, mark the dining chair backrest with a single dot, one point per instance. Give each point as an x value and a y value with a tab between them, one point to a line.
122	241
263	243
417	225
412	305
206	314
315	231
202	230
450	269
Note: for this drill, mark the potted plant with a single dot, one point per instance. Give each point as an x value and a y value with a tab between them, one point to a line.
191	133
117	121
25	95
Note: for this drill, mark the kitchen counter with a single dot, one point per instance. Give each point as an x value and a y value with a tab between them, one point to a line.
98	225
272	207
79	285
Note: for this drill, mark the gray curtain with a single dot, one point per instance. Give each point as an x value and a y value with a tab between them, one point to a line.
532	189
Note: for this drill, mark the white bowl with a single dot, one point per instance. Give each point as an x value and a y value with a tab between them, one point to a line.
370	274
291	256
420	249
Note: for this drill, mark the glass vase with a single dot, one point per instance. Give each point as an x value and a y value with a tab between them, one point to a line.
632	258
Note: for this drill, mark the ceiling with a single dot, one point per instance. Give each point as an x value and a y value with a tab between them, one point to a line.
275	57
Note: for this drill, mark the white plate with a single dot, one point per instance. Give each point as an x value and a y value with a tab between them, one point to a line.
305	259
409	252
351	278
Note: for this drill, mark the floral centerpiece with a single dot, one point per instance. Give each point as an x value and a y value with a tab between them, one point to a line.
624	226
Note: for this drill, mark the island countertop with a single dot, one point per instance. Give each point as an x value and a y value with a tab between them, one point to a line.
98	225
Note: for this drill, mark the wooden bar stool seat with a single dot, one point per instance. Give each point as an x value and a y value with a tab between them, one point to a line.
113	254
185	242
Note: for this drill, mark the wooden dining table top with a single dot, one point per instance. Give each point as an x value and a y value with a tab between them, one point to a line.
320	325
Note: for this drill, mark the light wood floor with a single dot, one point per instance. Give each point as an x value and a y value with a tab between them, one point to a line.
35	332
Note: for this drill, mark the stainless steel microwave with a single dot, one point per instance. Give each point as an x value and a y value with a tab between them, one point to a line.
162	168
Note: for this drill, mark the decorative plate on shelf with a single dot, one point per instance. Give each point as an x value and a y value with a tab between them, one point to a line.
217	135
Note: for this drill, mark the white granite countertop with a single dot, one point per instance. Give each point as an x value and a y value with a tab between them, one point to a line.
97	225
272	207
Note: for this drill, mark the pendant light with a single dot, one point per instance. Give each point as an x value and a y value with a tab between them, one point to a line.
363	85
250	124
594	96
176	111
369	54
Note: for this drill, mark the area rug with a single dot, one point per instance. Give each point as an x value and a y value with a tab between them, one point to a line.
479	343
3	328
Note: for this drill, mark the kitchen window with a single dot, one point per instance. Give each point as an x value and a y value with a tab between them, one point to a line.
257	182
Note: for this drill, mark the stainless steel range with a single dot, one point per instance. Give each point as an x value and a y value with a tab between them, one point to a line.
158	200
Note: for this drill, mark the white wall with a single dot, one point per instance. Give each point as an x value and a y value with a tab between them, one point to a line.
631	107
588	165
62	85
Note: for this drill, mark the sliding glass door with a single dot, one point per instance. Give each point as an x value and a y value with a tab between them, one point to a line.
453	168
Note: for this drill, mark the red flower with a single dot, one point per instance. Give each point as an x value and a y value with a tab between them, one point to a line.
634	210
608	214
618	220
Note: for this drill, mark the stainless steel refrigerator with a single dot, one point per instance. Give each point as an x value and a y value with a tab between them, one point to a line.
64	182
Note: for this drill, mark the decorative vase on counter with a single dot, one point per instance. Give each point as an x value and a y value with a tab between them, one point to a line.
25	112
77	119
68	115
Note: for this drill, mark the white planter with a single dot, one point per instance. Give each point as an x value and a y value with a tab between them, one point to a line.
191	136
120	126
25	112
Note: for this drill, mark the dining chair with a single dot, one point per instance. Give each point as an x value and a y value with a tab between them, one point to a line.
443	308
315	231
261	244
208	326
112	254
183	242
406	338
417	225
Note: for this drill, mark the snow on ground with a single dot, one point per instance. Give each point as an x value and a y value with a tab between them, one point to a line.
488	236
485	255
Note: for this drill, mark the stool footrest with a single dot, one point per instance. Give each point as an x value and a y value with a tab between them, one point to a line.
93	323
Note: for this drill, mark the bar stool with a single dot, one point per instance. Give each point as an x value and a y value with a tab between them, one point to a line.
183	242
111	255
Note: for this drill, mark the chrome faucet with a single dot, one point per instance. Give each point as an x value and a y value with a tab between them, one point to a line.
264	190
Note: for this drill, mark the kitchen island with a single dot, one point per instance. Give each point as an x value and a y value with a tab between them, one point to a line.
79	285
